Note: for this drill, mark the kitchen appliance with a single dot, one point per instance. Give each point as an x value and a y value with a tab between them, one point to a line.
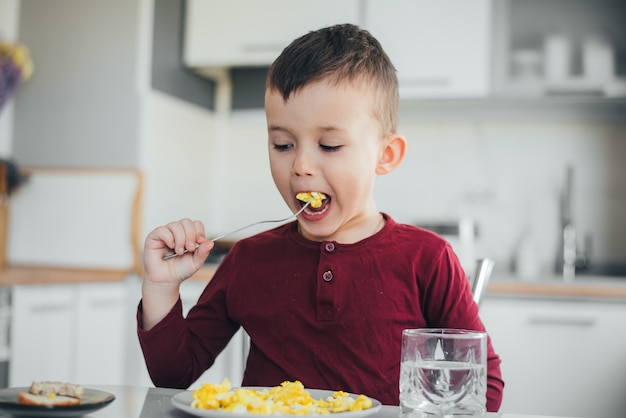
558	57
462	235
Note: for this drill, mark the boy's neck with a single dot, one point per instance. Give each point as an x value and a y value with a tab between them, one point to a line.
353	233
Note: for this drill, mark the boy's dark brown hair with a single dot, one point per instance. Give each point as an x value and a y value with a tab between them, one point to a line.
340	53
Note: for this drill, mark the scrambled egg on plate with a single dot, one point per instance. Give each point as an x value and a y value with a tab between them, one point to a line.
288	398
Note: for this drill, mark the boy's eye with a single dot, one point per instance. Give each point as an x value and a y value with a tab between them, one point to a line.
330	148
282	147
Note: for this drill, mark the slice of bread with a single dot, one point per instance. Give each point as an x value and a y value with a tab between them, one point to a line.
56	388
45	400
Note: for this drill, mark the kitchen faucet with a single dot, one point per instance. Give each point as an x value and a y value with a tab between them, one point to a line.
567	254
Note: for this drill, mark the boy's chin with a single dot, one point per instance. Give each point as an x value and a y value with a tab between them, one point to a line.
314	233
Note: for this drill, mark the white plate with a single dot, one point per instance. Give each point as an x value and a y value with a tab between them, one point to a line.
183	400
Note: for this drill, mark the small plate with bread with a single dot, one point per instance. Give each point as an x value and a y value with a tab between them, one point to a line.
53	399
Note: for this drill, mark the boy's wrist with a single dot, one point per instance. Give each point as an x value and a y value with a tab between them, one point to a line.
157	301
160	288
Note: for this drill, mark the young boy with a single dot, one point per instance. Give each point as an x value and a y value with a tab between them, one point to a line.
325	298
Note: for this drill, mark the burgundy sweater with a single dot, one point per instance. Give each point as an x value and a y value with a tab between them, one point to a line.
330	315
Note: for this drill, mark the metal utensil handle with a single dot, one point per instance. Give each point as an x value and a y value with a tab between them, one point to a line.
293	215
480	278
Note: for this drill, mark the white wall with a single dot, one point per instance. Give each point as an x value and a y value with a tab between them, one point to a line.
179	175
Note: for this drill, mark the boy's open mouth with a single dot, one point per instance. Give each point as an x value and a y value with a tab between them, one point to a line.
319	202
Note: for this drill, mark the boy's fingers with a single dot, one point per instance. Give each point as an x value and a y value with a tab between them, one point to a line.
200	234
183	235
202	252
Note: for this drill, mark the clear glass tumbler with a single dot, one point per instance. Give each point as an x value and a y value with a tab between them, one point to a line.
443	373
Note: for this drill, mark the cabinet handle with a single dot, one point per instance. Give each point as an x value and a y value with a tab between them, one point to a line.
50	308
105	303
568	322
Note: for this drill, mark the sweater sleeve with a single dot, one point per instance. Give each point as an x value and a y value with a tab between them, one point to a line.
495	384
160	354
178	350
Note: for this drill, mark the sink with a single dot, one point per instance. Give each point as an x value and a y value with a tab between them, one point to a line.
605	270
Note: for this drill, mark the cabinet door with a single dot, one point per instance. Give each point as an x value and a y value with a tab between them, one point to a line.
440	48
100	342
42	334
559	358
553	48
242	32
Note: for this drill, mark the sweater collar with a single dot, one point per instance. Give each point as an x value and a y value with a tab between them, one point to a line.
382	234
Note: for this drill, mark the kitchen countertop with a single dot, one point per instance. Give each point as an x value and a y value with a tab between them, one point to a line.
41	275
581	287
34	275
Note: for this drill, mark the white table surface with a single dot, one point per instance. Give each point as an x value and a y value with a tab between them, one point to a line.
143	402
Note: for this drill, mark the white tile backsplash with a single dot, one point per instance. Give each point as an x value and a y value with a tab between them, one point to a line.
509	177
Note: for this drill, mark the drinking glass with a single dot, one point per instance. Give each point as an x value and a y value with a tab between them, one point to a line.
443	373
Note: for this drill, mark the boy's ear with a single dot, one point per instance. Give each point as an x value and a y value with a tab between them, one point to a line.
392	155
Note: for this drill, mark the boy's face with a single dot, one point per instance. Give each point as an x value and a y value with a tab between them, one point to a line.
326	139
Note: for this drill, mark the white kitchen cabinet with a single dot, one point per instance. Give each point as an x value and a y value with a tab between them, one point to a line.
559	357
42	334
440	48
87	94
100	343
550	49
69	332
253	33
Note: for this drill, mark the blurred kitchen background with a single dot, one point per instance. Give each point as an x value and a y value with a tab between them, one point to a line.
499	99
514	111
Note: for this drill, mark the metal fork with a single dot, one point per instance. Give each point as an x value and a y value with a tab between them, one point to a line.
293	215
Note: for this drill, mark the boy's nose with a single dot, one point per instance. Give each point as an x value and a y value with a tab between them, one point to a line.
303	165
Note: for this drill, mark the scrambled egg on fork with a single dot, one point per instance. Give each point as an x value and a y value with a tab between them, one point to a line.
288	398
314	197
